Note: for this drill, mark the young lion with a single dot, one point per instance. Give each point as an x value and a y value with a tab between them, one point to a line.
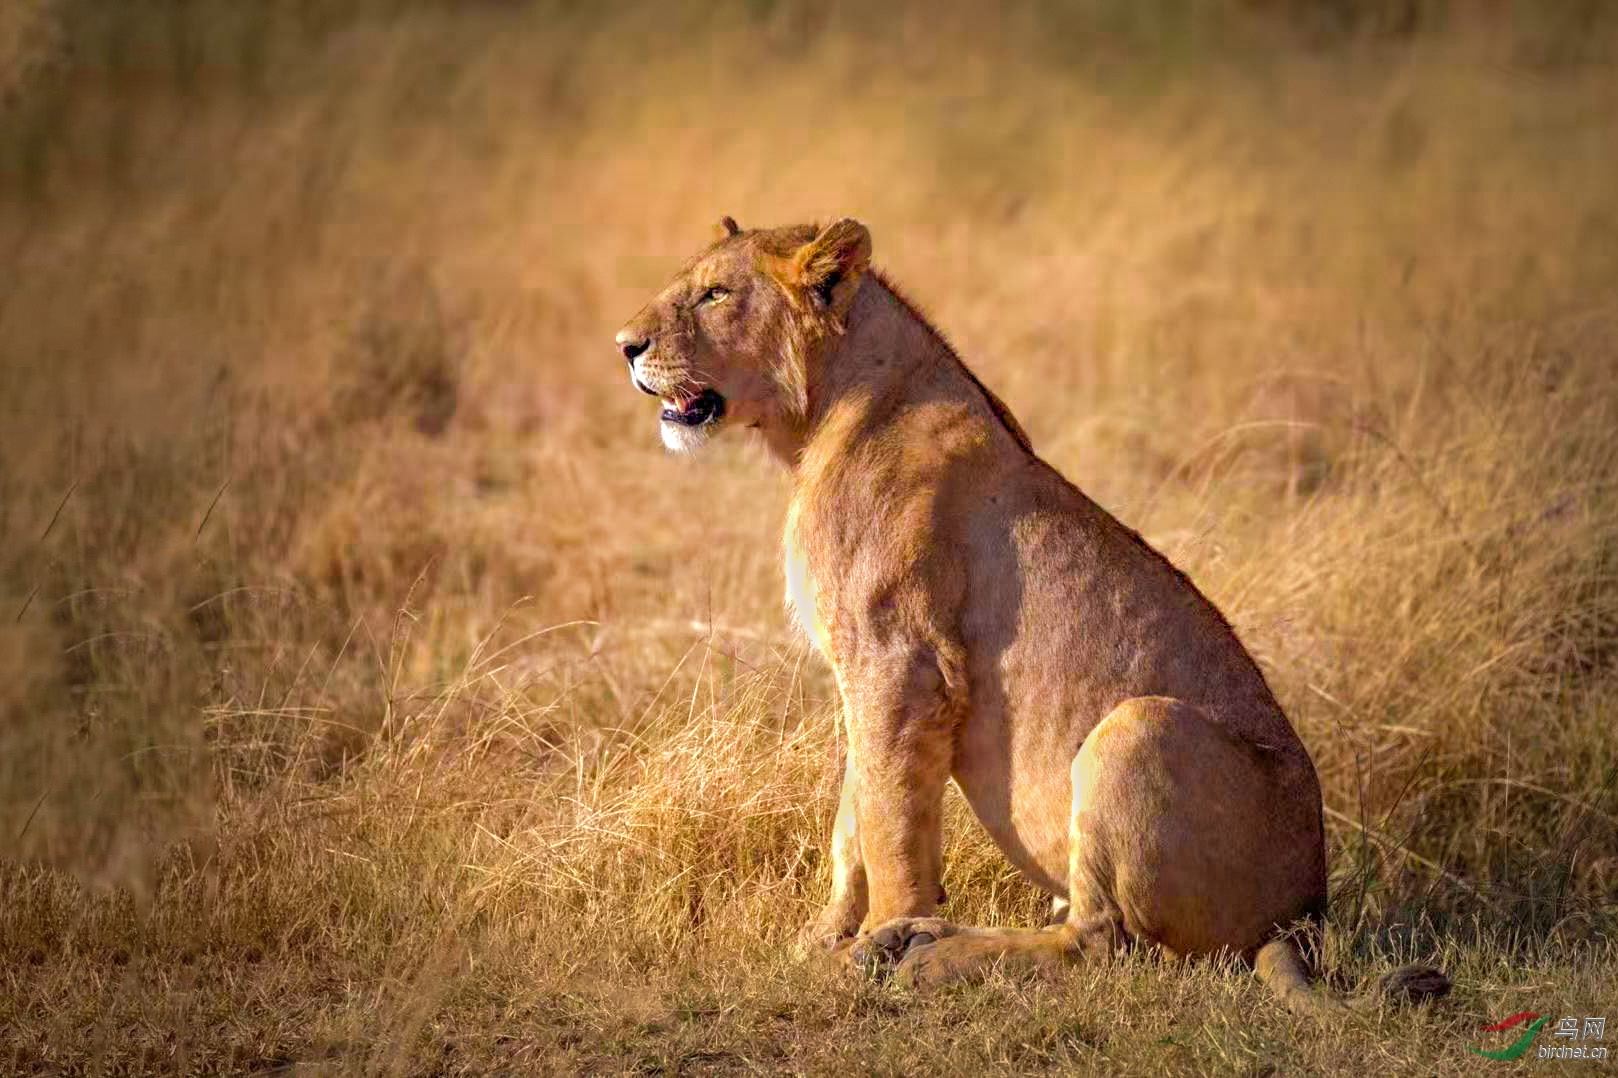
989	623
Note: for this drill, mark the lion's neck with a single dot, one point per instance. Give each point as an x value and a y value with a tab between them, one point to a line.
886	353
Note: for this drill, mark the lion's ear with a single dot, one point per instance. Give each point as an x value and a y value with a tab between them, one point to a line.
829	267
728	227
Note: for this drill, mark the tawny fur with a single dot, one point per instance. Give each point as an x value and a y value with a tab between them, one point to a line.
988	623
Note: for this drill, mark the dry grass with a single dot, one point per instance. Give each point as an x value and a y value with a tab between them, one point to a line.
379	697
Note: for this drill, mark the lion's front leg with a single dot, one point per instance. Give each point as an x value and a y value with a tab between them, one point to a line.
901	740
840	919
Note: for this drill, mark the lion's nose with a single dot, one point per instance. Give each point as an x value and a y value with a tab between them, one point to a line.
632	344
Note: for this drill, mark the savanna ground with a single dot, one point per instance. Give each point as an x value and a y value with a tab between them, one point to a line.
379	697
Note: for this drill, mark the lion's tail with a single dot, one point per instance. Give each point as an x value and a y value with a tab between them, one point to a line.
1280	965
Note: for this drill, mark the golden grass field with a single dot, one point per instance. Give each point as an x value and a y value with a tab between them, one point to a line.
380	698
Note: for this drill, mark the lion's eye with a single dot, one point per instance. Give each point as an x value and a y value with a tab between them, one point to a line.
714	295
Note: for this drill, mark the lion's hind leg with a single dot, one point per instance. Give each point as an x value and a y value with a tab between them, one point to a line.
1206	841
972	953
1181	835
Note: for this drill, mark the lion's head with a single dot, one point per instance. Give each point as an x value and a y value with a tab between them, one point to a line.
731	340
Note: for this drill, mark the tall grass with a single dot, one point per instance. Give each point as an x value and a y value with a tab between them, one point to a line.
369	672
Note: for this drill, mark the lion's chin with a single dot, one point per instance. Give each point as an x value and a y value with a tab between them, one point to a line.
679	438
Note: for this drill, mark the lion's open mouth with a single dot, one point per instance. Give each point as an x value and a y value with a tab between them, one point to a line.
706	407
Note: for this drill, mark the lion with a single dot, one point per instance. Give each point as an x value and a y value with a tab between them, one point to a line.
986	622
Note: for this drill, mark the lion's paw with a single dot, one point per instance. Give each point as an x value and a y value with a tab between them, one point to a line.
889	943
944	962
816	940
827	933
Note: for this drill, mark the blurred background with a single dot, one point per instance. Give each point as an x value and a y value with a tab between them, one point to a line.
348	601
